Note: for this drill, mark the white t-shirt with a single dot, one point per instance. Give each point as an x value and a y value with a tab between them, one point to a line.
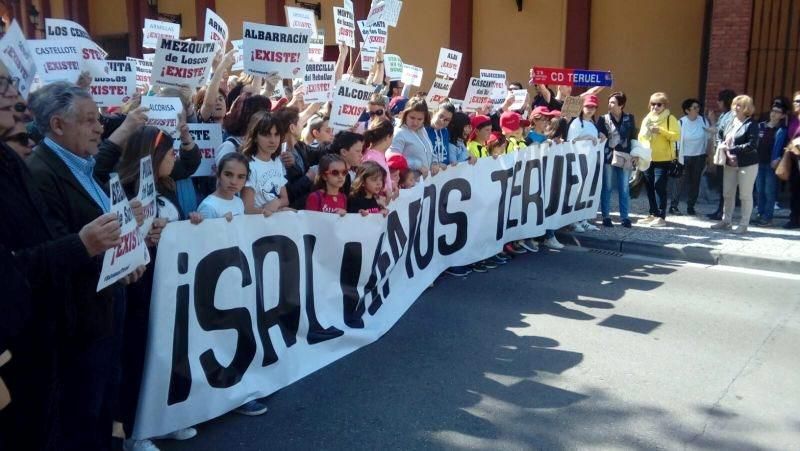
226	147
693	137
217	207
266	179
581	129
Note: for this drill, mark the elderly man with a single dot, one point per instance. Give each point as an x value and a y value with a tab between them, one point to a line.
62	170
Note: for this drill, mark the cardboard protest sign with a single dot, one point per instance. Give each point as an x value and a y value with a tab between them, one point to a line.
238	63
318	82
301	18
344	25
368	57
449	63
316	47
270	50
411	75
216	29
116	85
208	138
163	113
393	66
478	93
571	77
56	59
181	63
520	99
155	30
349	101
572	107
144	69
439	92
123	259
18	58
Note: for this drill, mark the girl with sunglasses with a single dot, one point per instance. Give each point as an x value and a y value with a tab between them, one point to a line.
328	196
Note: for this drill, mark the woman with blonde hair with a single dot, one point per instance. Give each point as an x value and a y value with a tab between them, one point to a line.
660	131
739	146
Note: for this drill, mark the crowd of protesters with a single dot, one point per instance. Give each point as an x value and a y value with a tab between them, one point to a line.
72	358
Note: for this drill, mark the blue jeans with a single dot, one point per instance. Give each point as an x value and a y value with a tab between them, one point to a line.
766	187
614	177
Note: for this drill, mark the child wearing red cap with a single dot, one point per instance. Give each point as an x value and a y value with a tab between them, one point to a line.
481	129
512	125
583	128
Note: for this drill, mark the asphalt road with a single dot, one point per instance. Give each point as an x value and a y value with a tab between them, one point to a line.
557	350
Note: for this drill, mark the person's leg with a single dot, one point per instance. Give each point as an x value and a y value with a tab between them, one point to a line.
622	177
761	183
770	194
675	186
747	178
662	178
605	193
694	169
650	182
728	192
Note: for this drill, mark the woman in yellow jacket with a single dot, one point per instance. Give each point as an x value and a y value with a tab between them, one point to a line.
660	131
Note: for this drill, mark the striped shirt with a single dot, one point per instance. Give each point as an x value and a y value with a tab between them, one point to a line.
83	171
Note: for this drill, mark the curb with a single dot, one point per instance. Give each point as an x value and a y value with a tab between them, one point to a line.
693	254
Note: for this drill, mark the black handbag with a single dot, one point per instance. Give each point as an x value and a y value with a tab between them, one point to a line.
675	168
635	183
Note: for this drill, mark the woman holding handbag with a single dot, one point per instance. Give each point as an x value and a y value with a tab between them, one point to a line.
739	144
620	128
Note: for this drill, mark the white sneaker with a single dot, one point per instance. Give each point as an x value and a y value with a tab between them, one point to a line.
553	243
180	434
578	227
658	222
130	444
589	226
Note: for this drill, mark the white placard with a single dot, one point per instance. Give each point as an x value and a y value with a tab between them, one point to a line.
269	50
393	65
520	99
181	63
440	90
412	75
123	259
368	57
56	59
238	62
115	85
376	11
163	113
449	63
316	47
147	194
377	35
18	58
479	93
67	29
392	12
499	89
349	101
344	25
208	138
301	18
216	29
148	56
144	69
319	82
156	29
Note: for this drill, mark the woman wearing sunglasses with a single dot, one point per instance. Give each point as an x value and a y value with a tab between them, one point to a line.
660	131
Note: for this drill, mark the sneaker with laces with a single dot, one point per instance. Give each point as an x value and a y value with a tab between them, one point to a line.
498	260
503	256
647	220
180	434
589	226
659	222
252	409
529	244
517	249
458	271
553	243
721	226
578	227
478	267
489	264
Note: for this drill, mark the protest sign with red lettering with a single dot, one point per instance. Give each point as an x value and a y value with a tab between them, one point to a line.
319	81
144	69
18	58
238	63
377	34
368	56
115	85
393	66
180	63
449	63
163	113
147	194
208	138
376	11
316	46
499	89
67	29
349	101
155	30
412	75
439	92
301	18
479	93
123	259
216	29
570	77
56	59
270	50
344	25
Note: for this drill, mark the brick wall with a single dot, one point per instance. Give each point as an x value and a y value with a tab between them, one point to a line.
729	43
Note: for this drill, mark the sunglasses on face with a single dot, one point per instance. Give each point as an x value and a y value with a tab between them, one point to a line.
336	172
376	113
657	104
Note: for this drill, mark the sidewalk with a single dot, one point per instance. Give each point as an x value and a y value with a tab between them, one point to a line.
689	238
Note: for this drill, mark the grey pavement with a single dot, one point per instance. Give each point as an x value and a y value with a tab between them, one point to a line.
557	350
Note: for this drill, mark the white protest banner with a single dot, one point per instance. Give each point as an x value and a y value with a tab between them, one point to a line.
319	81
147	194
116	85
316	47
163	113
269	50
301	18
238	63
439	92
181	63
144	69
208	138
18	58
368	56
344	25
123	259
392	13
393	66
520	99
223	331
478	93
349	101
412	75
155	30
56	59
216	29
449	63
